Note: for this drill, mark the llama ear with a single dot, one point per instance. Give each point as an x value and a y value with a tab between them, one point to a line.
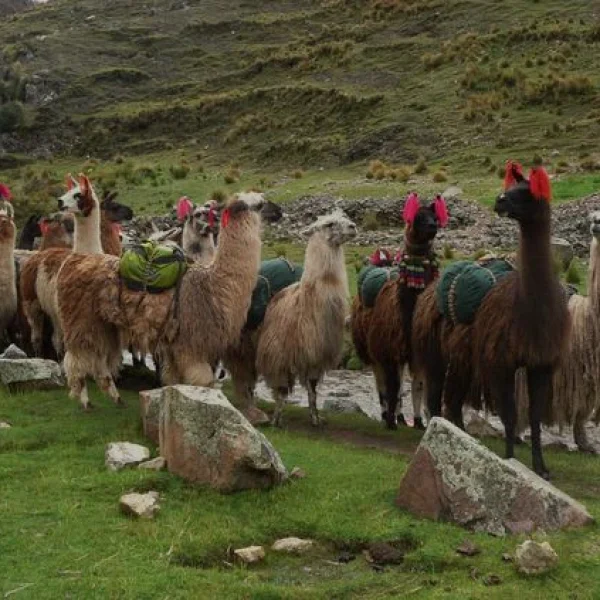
70	182
441	210
513	174
411	208
184	208
44	226
539	184
84	185
5	192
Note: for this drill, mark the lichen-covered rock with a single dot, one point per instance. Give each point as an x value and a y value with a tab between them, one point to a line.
534	558
150	401
144	506
250	555
30	374
479	427
454	478
156	464
206	440
292	545
13	352
5	425
125	454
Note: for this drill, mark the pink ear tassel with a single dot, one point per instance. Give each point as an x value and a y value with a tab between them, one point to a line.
441	211
184	207
411	208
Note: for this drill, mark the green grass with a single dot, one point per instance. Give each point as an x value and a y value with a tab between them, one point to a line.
62	534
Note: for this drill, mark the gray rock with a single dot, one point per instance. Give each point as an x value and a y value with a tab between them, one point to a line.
156	464
534	558
342	405
150	401
477	426
124	454
250	555
144	506
206	440
5	425
454	477
563	250
30	374
292	545
13	352
298	473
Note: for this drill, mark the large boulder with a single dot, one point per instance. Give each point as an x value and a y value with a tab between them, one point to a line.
150	402
206	440
454	478
563	250
30	374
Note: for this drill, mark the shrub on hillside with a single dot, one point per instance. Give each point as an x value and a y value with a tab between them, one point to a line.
369	221
572	275
440	177
12	117
180	171
421	166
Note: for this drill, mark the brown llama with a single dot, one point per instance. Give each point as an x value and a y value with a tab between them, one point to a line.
382	333
189	327
576	382
523	321
39	275
301	335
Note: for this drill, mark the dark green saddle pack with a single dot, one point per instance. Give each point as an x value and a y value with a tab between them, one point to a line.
371	279
274	276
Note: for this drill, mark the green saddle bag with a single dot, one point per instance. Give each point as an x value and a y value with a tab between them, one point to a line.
151	267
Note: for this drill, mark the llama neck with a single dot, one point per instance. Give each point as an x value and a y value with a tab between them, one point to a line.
86	238
594	275
324	264
536	272
7	263
201	249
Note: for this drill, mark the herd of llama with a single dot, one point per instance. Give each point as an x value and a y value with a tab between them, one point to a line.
483	333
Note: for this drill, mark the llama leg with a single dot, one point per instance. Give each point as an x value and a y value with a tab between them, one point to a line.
107	385
400	415
57	340
502	391
580	435
392	386
417	390
279	395
457	388
434	378
35	317
312	402
79	392
539	382
380	385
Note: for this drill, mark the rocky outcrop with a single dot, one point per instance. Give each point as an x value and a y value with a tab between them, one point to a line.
150	401
124	454
292	545
206	440
144	506
535	558
30	374
453	477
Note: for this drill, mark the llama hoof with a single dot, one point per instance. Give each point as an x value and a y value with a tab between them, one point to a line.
418	424
401	420
120	403
318	422
519	441
276	422
587	449
88	407
391	425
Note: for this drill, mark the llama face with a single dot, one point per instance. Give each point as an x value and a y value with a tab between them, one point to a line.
80	199
114	211
199	221
595	224
254	200
336	228
425	225
520	204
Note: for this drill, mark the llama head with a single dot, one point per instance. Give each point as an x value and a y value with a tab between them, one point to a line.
424	220
525	199
254	200
114	211
595	224
335	228
8	231
80	198
203	220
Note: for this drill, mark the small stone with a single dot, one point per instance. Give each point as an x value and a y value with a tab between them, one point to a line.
342	404
477	426
381	553
13	352
492	580
250	555
516	527
298	473
346	557
5	425
124	454
468	548
292	545
256	416
144	506
533	558
25	374
506	557
156	464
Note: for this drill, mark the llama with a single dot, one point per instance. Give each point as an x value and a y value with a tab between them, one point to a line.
197	238
189	327
522	321
301	336
112	215
56	231
8	288
382	333
39	275
576	383
30	232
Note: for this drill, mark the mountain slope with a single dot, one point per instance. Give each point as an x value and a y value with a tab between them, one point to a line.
306	82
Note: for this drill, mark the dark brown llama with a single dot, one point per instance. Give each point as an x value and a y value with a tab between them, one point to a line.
523	321
382	334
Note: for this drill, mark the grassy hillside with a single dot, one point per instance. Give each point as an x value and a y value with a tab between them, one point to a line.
302	82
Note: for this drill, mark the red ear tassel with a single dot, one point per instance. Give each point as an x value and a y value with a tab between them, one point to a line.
44	226
441	211
211	217
539	184
225	218
411	208
5	192
509	175
69	182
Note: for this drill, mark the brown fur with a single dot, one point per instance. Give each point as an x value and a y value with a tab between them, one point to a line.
189	333
8	290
